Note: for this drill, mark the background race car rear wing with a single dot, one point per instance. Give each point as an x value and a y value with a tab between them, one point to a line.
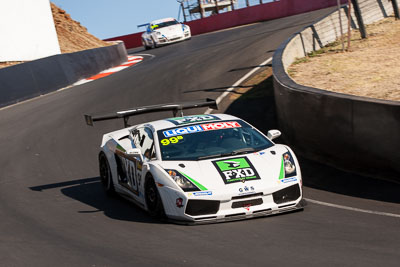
143	25
174	107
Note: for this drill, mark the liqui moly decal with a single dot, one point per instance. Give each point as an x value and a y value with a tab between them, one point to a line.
220	125
201	128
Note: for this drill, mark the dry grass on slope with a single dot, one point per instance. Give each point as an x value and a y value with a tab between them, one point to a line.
370	69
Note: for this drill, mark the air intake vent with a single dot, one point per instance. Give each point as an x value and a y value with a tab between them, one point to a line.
202	207
287	194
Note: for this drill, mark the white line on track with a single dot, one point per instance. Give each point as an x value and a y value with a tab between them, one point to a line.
236	84
222	96
352	209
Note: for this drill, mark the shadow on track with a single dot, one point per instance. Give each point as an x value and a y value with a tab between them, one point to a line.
257	106
221	89
90	192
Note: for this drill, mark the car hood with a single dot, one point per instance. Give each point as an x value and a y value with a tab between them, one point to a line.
256	172
171	31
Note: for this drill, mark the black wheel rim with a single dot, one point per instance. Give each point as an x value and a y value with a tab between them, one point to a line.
104	177
151	196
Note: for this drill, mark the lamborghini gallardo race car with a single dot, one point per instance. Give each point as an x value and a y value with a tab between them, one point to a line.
199	168
164	31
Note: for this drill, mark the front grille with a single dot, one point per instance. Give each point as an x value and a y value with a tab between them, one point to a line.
202	207
287	194
247	196
174	39
247	203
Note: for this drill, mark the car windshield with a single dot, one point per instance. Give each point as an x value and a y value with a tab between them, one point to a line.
164	24
210	140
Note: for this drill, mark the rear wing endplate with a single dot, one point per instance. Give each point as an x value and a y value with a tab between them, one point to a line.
174	107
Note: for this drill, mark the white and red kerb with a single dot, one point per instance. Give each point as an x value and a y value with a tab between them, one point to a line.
132	60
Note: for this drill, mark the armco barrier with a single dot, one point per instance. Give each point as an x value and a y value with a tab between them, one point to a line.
262	12
48	74
354	133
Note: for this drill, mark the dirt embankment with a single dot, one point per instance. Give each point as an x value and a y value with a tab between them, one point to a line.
72	36
369	69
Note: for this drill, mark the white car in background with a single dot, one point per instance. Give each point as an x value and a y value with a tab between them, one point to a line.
164	31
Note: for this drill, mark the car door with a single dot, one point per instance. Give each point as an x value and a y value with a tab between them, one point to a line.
143	139
129	167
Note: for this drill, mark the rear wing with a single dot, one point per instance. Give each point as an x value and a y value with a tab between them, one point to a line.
143	25
174	107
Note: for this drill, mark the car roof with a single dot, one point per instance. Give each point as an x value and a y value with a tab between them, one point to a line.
162	20
188	120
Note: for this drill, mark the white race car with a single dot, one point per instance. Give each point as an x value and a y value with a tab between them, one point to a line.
199	168
164	31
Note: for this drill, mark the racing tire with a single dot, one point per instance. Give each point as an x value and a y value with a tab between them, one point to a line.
153	200
146	47
105	175
154	45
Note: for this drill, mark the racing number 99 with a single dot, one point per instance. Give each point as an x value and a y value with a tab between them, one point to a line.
172	140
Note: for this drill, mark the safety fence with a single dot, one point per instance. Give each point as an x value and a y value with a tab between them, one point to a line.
242	16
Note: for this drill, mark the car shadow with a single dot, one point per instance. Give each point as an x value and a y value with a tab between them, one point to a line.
220	89
257	106
90	192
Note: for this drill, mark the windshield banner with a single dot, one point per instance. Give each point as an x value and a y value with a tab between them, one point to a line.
192	119
201	128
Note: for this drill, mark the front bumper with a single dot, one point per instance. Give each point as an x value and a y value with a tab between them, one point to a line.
236	217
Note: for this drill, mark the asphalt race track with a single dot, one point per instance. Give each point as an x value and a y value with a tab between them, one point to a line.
54	212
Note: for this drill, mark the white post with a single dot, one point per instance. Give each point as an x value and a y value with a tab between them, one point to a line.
27	30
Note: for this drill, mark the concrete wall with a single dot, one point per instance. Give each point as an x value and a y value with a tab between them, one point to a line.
27	30
267	11
38	77
349	132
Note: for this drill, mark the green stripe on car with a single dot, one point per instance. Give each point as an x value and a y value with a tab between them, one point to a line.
282	173
199	185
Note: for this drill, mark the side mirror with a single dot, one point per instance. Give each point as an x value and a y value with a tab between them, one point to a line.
135	152
273	134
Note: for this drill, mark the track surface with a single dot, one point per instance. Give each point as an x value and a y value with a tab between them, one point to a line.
54	213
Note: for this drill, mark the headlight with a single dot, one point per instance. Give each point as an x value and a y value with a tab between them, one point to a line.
158	33
288	165
182	181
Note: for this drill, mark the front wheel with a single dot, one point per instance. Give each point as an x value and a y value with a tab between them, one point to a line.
153	199
154	45
146	47
105	175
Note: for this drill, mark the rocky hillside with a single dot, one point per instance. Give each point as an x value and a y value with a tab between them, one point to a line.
72	36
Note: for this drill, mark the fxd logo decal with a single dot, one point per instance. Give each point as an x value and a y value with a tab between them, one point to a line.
192	119
236	170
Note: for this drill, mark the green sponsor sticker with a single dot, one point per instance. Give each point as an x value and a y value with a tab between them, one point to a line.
235	170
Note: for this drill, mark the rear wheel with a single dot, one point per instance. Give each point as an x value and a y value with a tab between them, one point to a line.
105	175
153	199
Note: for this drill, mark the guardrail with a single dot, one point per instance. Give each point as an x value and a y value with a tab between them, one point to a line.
242	16
353	133
39	77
